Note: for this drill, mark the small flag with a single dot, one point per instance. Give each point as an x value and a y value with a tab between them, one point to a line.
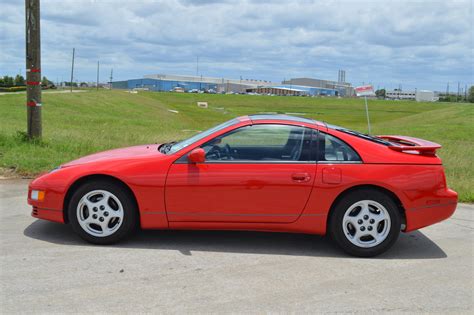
365	90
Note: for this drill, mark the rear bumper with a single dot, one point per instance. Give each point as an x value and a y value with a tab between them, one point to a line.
429	214
48	214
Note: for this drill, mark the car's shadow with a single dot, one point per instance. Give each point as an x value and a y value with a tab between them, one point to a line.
412	245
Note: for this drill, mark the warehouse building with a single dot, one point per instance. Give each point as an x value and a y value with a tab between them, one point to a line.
164	85
167	82
293	90
221	85
398	94
417	95
342	88
297	86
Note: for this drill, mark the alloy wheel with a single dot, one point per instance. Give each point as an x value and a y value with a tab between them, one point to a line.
366	223
100	213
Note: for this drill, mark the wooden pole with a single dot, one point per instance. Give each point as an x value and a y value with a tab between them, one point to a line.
33	68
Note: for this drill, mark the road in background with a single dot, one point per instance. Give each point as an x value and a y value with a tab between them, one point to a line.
44	267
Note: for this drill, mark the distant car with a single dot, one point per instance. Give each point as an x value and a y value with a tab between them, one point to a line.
193	91
258	172
177	89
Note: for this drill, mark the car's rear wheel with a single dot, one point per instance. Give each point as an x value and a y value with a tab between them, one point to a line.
102	212
365	223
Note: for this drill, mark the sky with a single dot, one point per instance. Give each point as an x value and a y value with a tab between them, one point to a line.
415	44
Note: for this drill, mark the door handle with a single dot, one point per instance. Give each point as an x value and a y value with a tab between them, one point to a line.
301	177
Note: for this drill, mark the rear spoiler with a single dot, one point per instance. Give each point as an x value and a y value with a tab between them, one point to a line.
411	145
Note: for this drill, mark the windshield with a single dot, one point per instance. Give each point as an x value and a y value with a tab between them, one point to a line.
183	144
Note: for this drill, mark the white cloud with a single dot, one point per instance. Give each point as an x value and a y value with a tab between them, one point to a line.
420	44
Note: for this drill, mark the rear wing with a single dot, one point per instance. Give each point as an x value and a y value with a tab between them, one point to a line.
411	145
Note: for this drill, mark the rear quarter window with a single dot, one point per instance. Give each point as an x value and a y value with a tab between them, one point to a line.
333	150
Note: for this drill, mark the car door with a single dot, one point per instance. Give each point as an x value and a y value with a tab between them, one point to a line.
257	173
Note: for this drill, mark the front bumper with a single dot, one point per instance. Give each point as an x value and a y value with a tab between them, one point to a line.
51	207
48	214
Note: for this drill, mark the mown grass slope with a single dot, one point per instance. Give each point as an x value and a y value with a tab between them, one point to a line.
81	123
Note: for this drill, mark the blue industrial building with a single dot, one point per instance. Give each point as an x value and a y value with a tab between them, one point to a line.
309	90
294	90
296	87
163	85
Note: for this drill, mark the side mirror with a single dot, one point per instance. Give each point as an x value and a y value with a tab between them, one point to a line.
197	156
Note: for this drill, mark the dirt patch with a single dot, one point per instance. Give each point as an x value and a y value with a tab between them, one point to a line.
11	173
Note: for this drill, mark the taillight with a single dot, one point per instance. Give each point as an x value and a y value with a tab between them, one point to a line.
441	179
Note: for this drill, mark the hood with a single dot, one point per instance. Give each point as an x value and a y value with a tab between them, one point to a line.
122	153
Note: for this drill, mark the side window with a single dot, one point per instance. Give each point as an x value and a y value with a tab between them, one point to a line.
332	149
265	142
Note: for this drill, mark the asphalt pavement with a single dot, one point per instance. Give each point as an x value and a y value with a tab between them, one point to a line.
45	267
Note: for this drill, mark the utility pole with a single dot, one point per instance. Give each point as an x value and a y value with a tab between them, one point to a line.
33	68
111	77
457	97
447	90
97	84
72	67
465	93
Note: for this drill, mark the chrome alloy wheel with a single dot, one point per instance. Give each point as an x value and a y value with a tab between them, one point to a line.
366	223
100	213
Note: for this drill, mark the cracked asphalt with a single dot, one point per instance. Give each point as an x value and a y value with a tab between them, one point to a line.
45	267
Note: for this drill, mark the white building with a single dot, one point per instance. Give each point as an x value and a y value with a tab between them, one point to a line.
400	95
418	95
425	96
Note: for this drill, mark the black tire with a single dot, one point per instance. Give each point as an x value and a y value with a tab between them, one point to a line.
130	212
336	229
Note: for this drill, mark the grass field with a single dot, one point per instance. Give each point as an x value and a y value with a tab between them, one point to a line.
81	123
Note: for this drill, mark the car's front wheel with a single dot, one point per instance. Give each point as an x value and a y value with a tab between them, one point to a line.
365	223
102	212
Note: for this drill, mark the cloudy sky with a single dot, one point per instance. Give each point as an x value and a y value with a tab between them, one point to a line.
418	44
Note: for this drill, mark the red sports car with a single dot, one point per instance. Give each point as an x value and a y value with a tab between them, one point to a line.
257	172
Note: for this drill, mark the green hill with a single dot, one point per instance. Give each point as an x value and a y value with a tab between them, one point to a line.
76	124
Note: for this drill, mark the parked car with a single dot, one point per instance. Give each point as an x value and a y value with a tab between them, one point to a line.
258	172
177	89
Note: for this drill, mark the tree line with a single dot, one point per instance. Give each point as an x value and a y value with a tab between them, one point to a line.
17	81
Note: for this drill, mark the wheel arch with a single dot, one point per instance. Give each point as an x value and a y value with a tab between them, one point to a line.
381	189
80	181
